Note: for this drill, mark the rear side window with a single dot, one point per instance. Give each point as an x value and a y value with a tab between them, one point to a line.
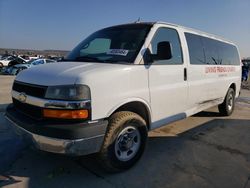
196	50
229	55
170	35
211	48
214	52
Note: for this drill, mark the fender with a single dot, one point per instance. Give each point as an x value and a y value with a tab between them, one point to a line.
128	100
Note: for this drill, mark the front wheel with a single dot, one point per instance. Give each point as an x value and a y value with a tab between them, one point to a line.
227	107
124	142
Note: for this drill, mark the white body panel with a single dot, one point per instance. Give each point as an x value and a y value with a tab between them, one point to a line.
162	89
168	91
111	85
5	61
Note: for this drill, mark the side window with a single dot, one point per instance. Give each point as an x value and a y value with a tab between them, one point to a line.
212	51
102	43
234	55
204	50
10	58
49	61
195	48
38	62
229	54
170	35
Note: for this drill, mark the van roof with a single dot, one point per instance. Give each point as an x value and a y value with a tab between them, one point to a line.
199	32
187	29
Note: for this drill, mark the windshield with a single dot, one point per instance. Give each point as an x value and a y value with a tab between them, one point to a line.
30	61
119	44
37	62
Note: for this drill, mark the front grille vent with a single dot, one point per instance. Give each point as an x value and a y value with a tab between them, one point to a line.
30	89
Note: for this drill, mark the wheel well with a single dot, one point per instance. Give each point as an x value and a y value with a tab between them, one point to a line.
233	86
138	108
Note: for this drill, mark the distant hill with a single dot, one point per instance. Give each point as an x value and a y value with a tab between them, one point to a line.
46	53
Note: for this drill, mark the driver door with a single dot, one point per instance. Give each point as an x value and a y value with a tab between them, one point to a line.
167	80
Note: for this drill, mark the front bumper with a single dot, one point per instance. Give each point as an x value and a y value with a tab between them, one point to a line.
65	138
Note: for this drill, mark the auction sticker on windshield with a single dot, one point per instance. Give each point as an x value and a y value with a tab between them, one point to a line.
121	52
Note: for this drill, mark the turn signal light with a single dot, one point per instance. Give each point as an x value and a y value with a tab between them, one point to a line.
65	114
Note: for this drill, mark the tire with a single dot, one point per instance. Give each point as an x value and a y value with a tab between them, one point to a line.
227	107
124	141
1	65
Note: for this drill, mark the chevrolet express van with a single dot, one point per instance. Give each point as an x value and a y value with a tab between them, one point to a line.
118	84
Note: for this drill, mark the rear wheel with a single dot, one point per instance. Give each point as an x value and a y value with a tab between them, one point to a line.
124	142
1	65
227	107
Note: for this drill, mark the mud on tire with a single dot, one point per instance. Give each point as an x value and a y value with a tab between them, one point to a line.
124	142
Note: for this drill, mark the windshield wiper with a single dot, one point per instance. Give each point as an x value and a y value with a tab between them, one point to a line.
86	58
92	59
95	59
109	61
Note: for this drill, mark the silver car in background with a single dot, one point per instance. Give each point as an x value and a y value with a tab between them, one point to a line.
14	70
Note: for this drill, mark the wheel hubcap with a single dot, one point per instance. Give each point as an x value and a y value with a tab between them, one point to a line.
230	102
127	143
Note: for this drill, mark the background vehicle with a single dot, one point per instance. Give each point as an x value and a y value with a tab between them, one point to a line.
5	61
17	60
15	69
12	60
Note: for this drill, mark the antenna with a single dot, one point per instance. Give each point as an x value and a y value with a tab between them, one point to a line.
138	20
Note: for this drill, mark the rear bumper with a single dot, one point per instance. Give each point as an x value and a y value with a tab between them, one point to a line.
79	138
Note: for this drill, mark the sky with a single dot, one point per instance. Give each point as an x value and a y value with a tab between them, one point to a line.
62	24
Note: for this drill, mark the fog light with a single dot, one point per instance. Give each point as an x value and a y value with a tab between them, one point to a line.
65	114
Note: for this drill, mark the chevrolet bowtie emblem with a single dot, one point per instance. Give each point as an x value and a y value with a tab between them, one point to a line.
22	97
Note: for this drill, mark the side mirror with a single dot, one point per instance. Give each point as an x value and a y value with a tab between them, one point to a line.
164	51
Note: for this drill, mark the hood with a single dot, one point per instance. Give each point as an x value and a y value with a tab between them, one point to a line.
60	73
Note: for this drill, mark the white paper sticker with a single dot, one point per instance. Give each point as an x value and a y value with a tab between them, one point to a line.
121	52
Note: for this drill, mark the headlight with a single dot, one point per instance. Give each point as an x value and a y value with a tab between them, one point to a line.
68	92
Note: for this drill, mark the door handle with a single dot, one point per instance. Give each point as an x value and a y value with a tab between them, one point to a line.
185	74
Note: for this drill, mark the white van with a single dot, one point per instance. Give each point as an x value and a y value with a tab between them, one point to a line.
118	84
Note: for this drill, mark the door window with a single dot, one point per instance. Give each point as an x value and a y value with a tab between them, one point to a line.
170	35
